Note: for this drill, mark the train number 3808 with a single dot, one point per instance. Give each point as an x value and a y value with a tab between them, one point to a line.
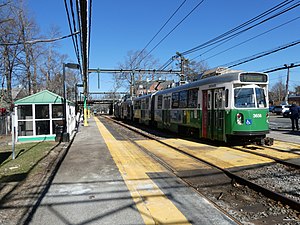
257	115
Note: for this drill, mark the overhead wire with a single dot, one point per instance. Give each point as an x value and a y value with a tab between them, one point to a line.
260	55
171	30
163	26
243	42
89	31
216	39
233	32
72	29
275	67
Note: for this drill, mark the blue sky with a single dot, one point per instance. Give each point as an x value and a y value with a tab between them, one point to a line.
119	26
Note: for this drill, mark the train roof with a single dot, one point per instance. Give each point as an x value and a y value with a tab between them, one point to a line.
227	77
222	78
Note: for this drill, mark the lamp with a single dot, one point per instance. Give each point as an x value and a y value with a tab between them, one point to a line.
65	134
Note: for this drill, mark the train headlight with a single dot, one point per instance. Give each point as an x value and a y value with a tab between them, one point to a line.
239	118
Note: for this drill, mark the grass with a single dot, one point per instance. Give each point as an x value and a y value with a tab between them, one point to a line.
27	157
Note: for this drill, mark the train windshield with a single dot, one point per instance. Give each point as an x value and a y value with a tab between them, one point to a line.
249	98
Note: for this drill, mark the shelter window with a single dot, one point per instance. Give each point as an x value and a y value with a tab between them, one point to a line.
42	111
57	111
25	128
24	112
42	127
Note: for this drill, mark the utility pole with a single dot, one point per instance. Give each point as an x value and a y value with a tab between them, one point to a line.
287	82
182	64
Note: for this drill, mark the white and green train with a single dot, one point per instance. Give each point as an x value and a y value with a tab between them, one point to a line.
225	106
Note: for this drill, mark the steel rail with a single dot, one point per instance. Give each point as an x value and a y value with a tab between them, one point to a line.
283	162
166	165
266	192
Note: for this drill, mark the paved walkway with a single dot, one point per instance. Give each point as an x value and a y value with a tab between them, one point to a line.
89	188
285	134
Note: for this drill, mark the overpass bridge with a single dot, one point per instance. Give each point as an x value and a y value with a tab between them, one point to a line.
101	97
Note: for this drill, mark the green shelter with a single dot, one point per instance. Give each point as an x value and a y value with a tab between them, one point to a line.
40	116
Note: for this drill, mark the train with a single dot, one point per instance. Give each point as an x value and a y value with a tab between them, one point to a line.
224	105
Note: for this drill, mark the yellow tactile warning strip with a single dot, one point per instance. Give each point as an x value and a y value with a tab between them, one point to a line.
176	160
283	154
221	156
286	145
153	205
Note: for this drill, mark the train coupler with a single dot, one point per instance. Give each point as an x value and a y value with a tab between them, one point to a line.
268	141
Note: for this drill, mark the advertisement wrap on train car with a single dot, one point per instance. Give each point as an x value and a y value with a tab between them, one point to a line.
229	106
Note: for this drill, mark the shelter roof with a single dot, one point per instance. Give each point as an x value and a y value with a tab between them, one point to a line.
41	97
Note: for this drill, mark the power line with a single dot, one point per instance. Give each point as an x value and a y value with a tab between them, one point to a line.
274	67
90	26
233	32
74	27
282	68
172	30
260	55
250	39
159	31
75	45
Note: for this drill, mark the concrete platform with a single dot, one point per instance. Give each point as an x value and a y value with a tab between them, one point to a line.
106	182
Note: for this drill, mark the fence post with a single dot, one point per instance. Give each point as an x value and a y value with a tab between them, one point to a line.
13	133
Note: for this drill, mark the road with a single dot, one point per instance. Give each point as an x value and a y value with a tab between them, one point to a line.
278	121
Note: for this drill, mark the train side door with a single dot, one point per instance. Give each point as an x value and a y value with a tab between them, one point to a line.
205	121
218	131
166	115
152	110
213	114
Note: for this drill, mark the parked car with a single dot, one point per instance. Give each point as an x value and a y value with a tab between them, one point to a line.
286	113
271	108
280	109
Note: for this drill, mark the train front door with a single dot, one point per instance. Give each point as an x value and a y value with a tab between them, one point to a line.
213	114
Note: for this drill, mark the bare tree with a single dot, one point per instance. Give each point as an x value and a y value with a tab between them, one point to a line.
277	92
192	69
8	34
134	61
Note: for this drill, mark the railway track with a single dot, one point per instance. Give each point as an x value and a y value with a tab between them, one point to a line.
243	178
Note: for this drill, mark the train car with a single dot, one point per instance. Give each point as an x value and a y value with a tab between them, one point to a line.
143	109
123	109
127	109
229	106
117	109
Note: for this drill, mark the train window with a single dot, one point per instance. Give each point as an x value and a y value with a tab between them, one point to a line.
147	103
175	100
167	102
183	99
260	98
159	102
226	97
216	100
244	98
209	100
137	105
192	98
